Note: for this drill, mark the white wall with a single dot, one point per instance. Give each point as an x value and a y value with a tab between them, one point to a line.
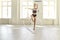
15	19
57	21
58	9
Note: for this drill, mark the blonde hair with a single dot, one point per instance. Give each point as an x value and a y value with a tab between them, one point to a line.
35	6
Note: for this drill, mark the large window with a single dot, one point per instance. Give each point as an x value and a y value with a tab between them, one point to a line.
25	12
49	9
5	8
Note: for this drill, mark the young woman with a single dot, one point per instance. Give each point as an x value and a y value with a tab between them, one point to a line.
33	16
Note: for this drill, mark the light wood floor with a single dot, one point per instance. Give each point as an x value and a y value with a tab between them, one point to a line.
20	32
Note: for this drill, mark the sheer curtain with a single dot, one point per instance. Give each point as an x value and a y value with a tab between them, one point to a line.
49	9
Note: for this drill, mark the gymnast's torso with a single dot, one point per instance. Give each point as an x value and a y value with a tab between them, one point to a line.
34	13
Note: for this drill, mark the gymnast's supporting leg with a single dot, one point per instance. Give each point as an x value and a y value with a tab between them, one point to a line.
34	23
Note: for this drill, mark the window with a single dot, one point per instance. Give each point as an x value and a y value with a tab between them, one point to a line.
5	8
49	9
25	12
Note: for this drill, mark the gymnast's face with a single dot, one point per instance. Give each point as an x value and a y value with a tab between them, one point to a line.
35	6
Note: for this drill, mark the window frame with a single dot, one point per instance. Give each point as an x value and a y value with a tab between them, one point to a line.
27	7
55	11
7	6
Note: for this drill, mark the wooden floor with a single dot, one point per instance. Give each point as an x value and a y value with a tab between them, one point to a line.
20	32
